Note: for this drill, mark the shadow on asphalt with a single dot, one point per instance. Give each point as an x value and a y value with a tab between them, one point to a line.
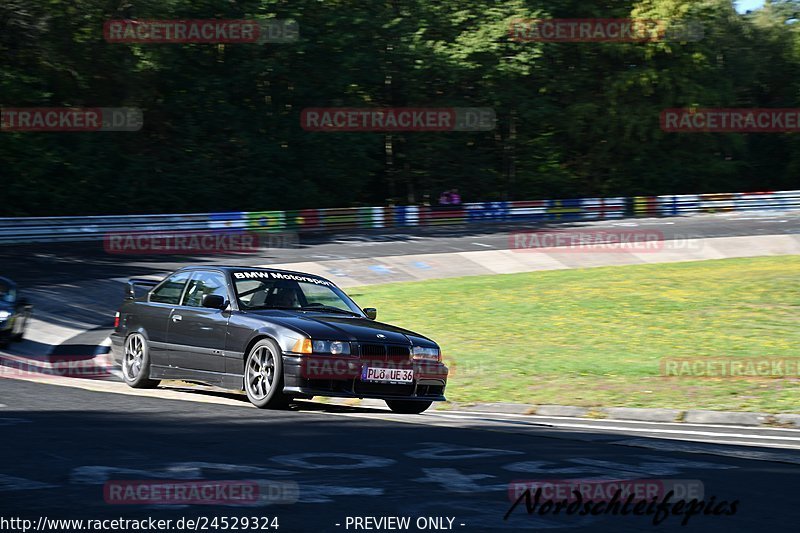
68	444
295	406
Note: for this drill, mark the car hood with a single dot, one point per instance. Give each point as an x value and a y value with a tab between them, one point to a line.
339	327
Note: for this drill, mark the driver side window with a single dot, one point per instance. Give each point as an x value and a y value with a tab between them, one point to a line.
203	283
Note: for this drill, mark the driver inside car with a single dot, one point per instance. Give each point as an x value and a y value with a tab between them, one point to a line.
286	297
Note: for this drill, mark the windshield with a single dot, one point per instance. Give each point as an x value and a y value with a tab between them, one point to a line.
291	294
7	293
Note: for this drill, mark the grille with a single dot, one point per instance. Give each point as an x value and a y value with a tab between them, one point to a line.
397	350
373	349
385	352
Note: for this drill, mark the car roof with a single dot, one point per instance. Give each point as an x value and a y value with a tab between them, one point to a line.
240	268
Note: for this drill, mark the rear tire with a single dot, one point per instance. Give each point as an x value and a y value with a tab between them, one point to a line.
263	376
136	363
407	407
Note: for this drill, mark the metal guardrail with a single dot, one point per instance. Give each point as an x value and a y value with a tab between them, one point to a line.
93	228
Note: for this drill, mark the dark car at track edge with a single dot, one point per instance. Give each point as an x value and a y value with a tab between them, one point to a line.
15	312
276	334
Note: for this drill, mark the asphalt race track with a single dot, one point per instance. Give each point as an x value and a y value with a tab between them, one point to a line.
318	466
63	444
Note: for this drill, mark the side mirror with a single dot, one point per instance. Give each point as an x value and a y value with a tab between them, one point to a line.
371	313
214	301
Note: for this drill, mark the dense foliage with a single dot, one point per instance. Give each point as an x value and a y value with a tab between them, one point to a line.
222	122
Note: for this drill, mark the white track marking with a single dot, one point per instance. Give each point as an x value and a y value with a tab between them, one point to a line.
357	461
97	474
452	419
481	414
675	446
675	431
440	451
11	483
715	439
325	493
12	421
120	388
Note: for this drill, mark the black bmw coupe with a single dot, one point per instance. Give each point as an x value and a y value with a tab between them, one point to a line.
275	334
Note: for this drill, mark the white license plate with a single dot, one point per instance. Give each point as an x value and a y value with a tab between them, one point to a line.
387	375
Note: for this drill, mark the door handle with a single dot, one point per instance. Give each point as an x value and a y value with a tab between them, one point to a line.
177	318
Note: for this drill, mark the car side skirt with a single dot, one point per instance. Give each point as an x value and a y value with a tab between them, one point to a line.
218	379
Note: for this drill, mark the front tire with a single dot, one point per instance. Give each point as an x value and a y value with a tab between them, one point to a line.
263	376
136	363
407	407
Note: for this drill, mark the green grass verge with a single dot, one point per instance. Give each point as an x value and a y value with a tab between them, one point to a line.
596	337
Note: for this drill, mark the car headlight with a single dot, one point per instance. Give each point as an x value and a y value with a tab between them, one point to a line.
331	347
4	315
428	354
